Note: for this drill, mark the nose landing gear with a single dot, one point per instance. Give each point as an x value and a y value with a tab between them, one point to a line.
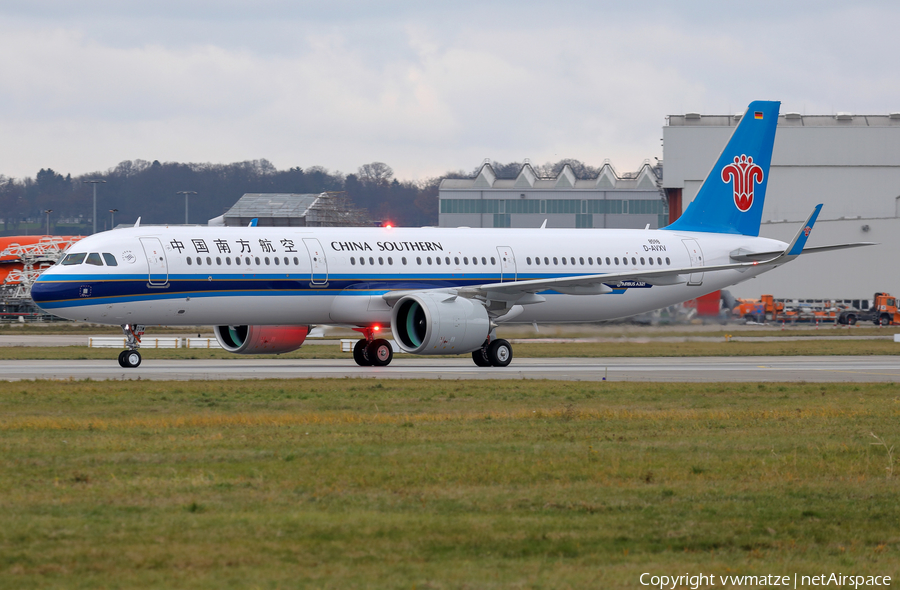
131	358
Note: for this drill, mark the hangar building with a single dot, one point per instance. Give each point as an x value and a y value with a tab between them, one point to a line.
850	163
609	200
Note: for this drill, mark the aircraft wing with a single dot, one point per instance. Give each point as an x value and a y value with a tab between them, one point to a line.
526	292
747	256
595	284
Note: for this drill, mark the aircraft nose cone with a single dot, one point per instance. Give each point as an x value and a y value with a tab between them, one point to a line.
41	292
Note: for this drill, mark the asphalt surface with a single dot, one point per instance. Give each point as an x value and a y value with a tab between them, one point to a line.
851	369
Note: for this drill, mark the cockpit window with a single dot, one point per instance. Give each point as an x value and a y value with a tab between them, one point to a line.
71	259
94	258
110	259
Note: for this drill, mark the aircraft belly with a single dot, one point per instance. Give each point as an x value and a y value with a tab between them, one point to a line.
358	309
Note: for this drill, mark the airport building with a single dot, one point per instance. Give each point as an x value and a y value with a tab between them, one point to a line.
610	200
292	210
850	163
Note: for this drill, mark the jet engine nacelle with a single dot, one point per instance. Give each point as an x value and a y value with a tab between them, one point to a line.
439	323
261	339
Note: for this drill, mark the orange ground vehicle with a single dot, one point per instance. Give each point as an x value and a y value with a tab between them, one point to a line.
767	308
883	311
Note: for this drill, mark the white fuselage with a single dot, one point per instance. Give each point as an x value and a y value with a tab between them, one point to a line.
183	275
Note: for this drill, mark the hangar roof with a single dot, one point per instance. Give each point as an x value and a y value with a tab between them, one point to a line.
272	205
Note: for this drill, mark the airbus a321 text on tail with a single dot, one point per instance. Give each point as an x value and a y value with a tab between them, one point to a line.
441	291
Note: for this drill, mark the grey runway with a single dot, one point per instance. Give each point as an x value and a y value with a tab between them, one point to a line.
653	369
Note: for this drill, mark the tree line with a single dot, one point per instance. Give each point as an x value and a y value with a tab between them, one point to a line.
149	190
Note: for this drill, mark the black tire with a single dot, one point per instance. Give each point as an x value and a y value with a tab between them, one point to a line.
132	359
480	357
885	319
851	319
380	352
360	355
500	353
122	359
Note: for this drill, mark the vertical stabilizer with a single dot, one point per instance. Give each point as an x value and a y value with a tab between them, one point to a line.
730	200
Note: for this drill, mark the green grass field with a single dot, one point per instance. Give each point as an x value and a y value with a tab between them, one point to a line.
429	484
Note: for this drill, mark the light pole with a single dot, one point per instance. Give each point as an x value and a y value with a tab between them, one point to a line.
112	218
186	193
95	183
48	212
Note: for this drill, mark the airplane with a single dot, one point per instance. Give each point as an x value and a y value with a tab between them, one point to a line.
442	291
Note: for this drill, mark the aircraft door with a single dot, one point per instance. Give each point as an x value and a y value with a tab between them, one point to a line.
317	261
507	263
696	255
156	259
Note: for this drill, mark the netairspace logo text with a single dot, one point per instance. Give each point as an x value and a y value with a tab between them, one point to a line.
695	581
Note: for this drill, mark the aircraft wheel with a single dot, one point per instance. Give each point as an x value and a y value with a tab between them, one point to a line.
360	355
131	359
480	357
122	359
380	352
500	353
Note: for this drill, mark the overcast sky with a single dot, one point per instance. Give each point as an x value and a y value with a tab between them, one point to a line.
426	89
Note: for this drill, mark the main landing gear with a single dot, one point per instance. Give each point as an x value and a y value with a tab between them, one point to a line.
494	353
377	352
372	351
131	358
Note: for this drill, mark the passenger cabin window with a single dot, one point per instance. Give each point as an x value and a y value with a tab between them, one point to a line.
94	258
219	260
110	259
190	260
493	261
484	260
256	259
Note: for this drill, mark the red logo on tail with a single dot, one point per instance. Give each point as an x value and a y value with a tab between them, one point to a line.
743	172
